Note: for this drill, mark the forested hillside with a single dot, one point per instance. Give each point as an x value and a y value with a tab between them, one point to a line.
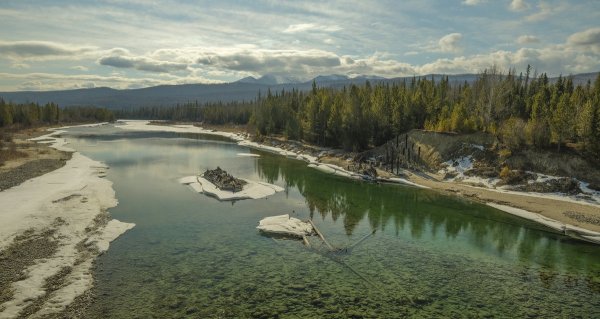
522	110
31	114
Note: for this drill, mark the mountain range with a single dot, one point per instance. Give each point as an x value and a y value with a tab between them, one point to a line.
245	89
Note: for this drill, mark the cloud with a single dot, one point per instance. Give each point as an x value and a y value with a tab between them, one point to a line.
304	27
119	58
79	68
546	10
518	5
268	61
587	40
472	2
527	39
450	43
52	81
39	50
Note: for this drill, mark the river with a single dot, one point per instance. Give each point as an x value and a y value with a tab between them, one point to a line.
432	255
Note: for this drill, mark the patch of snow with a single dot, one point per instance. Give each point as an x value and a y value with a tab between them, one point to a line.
252	190
38	203
458	166
479	147
285	225
248	155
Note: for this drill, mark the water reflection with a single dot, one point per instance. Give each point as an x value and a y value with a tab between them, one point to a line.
432	256
428	216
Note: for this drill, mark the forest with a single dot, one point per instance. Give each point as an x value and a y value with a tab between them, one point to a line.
31	114
523	110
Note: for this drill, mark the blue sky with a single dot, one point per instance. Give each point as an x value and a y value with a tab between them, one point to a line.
46	45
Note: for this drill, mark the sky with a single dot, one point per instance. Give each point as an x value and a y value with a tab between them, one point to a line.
60	44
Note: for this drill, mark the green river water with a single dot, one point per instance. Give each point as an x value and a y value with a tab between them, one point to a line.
432	256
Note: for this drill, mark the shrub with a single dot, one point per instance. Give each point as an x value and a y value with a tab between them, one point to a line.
512	133
505	172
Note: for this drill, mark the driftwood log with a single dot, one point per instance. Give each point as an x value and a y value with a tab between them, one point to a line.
224	181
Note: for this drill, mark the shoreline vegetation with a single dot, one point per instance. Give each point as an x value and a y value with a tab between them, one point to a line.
557	210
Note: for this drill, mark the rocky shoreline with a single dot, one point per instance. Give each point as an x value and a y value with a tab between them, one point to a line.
30	170
54	224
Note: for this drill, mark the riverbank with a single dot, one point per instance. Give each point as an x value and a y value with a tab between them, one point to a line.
53	227
569	217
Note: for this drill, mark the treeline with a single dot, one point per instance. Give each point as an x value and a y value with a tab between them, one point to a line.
32	114
520	110
213	113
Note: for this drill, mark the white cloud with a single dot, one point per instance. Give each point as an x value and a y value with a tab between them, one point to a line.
20	66
304	27
51	81
547	10
40	50
472	2
527	39
518	5
588	40
79	68
267	61
450	43
121	59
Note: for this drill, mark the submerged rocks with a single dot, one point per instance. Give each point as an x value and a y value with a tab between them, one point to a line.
224	181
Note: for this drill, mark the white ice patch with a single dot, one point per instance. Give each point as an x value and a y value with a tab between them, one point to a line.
252	190
285	225
247	155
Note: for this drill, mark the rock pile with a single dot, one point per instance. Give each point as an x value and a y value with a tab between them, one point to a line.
223	181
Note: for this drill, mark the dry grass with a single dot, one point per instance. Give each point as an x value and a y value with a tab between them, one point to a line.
8	149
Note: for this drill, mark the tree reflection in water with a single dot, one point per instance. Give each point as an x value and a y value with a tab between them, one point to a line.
424	213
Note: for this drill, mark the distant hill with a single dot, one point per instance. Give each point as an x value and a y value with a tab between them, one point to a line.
245	89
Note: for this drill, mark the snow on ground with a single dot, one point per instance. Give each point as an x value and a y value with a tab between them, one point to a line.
252	190
74	195
459	166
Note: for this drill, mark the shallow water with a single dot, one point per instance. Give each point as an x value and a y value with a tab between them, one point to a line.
431	256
